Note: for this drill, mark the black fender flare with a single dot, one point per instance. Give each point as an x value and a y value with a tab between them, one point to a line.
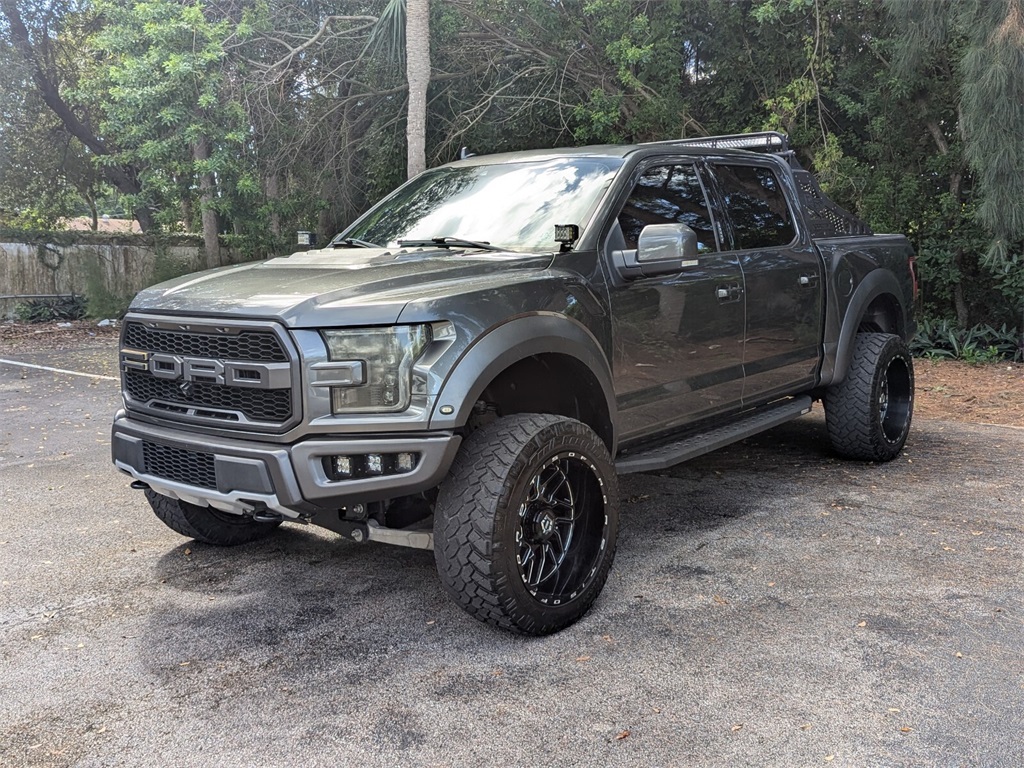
878	283
512	341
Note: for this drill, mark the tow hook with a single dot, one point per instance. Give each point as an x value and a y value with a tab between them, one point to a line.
267	516
138	485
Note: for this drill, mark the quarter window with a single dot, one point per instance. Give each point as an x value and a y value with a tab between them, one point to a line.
668	194
756	205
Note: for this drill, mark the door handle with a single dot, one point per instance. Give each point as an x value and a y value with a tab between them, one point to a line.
808	281
731	292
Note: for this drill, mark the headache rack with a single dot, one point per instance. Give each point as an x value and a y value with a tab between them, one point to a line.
824	217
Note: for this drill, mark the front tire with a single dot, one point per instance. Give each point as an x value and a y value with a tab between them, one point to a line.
525	526
206	524
868	413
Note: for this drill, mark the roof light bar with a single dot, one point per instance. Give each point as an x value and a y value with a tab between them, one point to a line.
772	141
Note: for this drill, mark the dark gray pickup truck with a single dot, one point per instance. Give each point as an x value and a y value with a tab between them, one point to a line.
470	366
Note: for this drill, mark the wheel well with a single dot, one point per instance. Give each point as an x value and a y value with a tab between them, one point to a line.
548	383
883	315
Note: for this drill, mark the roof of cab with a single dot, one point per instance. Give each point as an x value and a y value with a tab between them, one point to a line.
598	151
741	144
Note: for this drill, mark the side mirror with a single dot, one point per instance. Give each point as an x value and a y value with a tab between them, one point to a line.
662	249
666	243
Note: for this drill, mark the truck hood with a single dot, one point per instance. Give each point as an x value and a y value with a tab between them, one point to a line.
344	286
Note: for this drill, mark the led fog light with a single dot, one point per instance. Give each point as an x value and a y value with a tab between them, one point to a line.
362	466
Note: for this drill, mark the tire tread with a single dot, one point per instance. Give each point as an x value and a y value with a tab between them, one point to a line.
849	411
463	540
204	525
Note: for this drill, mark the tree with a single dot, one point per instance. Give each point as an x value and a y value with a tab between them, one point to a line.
45	173
254	117
417	71
402	35
40	50
989	40
163	89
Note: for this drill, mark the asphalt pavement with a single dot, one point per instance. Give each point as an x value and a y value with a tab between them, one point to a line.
770	605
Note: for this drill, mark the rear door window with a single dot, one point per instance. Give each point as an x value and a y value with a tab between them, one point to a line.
756	206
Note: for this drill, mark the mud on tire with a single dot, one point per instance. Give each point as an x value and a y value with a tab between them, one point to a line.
868	413
206	524
525	526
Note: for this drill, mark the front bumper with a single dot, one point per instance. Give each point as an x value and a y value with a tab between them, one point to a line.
243	476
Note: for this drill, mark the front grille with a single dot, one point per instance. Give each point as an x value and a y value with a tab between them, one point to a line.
261	346
182	394
269	405
179	465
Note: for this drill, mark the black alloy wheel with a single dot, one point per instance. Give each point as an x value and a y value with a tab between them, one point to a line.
868	413
526	523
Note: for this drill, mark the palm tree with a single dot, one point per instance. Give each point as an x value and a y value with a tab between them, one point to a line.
403	31
417	73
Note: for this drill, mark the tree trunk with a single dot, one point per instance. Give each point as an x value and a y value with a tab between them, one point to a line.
143	215
207	198
417	72
329	190
273	196
963	315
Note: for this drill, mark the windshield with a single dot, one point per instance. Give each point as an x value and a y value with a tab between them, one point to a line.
511	205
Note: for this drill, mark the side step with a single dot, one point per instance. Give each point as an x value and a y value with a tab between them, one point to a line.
666	455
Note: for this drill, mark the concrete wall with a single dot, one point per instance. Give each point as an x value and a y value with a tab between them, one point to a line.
123	266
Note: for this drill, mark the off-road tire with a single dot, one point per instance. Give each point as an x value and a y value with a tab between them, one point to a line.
205	524
868	413
525	492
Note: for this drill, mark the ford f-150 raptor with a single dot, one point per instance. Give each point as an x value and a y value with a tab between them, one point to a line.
471	364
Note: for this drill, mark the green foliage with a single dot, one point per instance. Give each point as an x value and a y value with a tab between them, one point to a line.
161	91
977	345
102	301
254	246
993	110
166	266
45	174
64	308
910	112
66	237
597	120
983	43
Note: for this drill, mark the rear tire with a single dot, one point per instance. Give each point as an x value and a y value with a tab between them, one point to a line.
526	523
206	524
868	413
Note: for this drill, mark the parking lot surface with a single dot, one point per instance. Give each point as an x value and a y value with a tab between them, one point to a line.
770	604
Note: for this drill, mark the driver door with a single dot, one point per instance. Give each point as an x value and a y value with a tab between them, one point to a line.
677	336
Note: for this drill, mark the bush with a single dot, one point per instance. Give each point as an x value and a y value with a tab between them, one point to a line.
62	308
977	345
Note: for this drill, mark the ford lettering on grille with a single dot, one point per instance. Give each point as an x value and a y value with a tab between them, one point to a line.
207	371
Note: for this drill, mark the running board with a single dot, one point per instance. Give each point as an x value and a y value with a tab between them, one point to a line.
666	455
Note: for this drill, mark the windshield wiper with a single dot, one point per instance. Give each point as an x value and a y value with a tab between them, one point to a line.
353	242
449	242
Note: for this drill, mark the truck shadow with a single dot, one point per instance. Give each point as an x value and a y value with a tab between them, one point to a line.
304	587
272	601
725	485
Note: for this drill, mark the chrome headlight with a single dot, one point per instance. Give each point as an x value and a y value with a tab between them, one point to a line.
382	361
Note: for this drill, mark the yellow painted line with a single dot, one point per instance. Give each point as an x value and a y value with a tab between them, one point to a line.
59	370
